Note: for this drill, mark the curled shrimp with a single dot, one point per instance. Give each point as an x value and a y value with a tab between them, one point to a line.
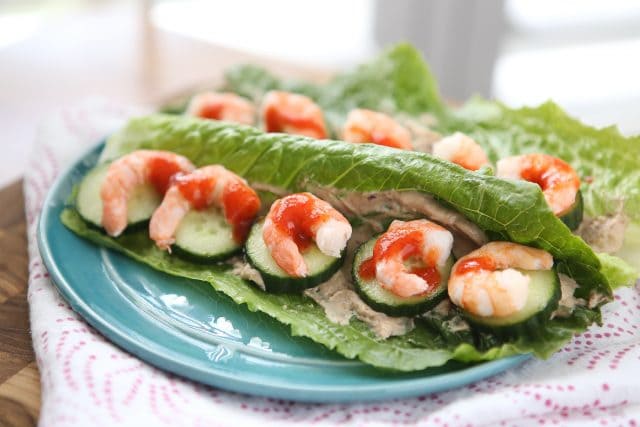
295	220
485	282
557	179
204	187
461	150
222	106
366	126
408	255
129	171
292	113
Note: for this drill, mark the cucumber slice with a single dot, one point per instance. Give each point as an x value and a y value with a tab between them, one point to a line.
141	204
573	217
321	266
543	297
380	299
205	236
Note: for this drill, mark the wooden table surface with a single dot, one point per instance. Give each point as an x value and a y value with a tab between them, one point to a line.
19	379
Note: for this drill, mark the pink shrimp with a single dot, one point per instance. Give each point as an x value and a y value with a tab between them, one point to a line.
204	187
366	126
461	150
129	171
557	179
222	106
292	113
426	244
294	221
485	282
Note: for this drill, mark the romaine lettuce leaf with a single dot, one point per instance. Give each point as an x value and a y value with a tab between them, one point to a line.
421	348
398	82
515	210
608	163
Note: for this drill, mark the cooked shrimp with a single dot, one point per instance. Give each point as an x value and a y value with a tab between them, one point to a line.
461	150
292	113
557	179
204	187
485	282
222	106
295	220
407	256
129	171
377	128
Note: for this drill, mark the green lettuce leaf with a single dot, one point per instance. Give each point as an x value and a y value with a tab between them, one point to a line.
617	271
515	210
399	83
608	163
421	348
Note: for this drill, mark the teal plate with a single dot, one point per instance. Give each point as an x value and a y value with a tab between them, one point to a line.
185	327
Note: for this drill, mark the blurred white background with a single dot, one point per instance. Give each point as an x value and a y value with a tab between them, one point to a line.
584	54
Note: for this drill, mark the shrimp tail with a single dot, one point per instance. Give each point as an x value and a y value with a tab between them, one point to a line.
332	236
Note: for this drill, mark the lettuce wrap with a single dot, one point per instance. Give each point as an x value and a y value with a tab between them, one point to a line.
399	83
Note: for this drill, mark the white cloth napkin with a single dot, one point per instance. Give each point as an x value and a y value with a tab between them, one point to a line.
86	380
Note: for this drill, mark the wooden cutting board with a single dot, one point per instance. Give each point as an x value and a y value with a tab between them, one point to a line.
19	378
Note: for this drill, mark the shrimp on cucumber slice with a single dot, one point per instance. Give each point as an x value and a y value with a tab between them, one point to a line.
404	271
124	175
222	106
299	244
293	113
559	182
461	150
366	126
504	284
206	214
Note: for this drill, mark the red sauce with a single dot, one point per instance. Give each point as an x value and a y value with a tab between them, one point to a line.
276	119
241	205
475	264
196	189
295	215
239	202
367	269
381	138
161	171
431	275
405	243
211	110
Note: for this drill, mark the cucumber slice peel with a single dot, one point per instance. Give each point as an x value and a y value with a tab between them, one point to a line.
573	217
542	300
141	204
321	266
205	236
383	300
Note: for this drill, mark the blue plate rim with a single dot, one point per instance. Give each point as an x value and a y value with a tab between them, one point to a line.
394	388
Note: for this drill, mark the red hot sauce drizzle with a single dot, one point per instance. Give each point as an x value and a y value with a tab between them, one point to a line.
474	264
240	203
295	215
161	171
277	120
211	110
405	243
